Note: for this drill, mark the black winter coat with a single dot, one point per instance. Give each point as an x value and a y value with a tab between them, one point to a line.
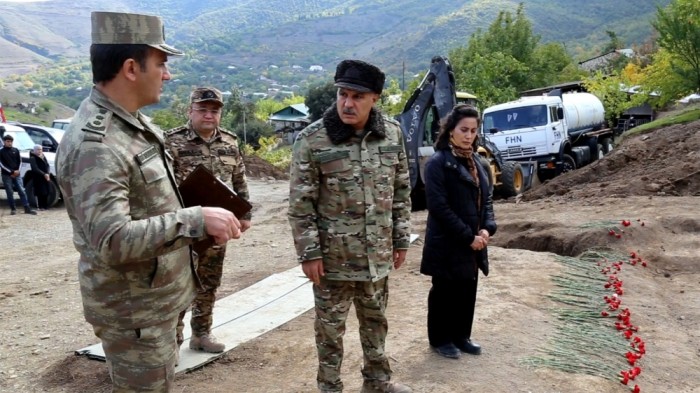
40	167
454	219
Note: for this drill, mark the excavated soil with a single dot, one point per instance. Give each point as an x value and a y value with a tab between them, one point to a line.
651	180
257	168
663	162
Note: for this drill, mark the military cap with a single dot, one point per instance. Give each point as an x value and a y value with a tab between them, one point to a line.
359	76
123	28
202	94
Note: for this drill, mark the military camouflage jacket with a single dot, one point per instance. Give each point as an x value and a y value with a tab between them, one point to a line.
135	267
349	200
220	155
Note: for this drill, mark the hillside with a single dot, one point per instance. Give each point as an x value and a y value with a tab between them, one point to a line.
257	33
45	112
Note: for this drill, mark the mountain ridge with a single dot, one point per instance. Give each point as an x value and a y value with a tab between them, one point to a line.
316	31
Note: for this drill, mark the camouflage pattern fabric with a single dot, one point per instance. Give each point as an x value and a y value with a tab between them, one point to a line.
136	269
210	270
349	203
124	28
333	300
222	157
140	360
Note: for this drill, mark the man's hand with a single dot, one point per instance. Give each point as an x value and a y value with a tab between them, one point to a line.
313	269
221	224
399	258
245	224
15	173
47	177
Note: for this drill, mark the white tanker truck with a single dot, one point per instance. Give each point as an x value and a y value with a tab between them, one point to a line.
560	132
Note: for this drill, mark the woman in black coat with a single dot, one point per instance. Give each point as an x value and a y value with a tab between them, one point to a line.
40	176
460	224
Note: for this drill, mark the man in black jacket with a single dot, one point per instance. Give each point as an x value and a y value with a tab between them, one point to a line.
10	161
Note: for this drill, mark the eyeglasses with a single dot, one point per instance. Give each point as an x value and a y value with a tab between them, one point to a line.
204	111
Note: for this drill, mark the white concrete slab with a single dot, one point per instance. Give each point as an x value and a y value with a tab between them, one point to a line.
244	315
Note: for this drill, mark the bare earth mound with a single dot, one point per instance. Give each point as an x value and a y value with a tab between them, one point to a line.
257	168
663	162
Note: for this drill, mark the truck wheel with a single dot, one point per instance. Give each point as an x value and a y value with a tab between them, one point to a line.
53	198
54	194
607	145
512	179
489	173
568	163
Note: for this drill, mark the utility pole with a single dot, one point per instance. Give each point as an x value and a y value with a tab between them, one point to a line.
245	138
403	75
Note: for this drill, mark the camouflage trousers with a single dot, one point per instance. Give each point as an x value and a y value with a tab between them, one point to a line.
140	360
333	300
210	267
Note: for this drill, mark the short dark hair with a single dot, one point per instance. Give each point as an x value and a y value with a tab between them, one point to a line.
107	59
8	137
449	122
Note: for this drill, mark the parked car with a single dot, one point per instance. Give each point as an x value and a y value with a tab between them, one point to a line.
61	123
24	143
48	137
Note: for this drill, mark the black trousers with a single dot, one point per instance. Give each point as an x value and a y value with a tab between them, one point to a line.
451	310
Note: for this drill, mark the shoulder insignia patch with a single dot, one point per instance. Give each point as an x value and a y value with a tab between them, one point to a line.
96	125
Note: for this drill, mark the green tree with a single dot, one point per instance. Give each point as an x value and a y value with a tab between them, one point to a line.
264	108
172	117
615	99
678	26
46	106
614	43
506	59
548	63
319	98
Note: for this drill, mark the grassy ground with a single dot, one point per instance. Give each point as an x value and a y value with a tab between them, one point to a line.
678	115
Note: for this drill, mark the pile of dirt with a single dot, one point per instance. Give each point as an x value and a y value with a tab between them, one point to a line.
663	162
257	168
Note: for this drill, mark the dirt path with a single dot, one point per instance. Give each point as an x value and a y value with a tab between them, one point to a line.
41	320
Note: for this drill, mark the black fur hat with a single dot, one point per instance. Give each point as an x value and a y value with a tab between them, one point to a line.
359	76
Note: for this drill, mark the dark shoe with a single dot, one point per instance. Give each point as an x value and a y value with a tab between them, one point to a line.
468	346
448	351
28	210
13	212
375	386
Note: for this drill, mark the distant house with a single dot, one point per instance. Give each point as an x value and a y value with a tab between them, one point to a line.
602	61
316	68
290	120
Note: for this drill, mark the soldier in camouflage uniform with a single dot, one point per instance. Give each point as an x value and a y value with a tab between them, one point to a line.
349	208
136	269
202	141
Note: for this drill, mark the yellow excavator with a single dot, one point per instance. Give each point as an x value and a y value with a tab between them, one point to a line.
434	97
